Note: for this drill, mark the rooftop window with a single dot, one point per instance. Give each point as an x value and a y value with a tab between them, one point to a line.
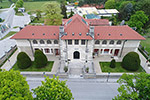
84	21
69	21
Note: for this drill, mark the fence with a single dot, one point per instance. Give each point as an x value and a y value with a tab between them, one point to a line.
7	54
144	52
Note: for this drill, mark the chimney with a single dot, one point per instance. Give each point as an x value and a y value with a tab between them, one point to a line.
91	33
61	31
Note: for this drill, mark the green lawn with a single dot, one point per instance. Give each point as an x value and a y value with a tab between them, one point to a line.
9	34
146	44
33	67
5	4
105	67
32	6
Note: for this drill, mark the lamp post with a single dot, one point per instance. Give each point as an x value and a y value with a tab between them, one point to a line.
108	76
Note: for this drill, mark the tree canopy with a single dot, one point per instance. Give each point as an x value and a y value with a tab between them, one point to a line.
53	13
134	87
110	4
13	86
53	89
138	20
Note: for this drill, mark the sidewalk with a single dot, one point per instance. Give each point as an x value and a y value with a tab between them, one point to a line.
143	62
97	66
11	61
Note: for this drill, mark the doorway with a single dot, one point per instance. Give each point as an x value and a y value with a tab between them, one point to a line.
76	55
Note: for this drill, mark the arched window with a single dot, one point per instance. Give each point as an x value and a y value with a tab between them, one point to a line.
35	42
55	42
49	42
119	42
111	42
42	42
97	42
104	42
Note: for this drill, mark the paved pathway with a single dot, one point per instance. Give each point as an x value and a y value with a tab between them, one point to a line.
11	61
97	65
5	45
21	20
143	62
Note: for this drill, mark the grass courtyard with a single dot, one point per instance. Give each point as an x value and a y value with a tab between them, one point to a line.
5	4
33	6
105	67
146	44
48	67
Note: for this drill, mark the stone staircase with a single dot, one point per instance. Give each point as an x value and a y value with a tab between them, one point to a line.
75	70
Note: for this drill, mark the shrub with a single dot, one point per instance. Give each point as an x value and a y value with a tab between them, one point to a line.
131	61
16	9
87	69
23	60
113	63
65	68
40	59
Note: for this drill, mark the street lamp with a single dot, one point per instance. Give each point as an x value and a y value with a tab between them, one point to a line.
108	76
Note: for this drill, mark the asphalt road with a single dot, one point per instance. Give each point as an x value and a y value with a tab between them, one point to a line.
85	89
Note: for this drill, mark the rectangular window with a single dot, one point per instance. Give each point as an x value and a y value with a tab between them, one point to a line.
46	50
76	42
106	51
82	42
69	42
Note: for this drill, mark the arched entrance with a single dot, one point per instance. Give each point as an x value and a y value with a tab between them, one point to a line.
76	55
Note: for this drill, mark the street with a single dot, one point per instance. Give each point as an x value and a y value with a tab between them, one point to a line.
84	89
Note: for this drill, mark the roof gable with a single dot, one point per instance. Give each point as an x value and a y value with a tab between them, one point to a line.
78	26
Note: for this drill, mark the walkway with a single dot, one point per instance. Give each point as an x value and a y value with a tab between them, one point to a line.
10	62
6	45
97	66
143	62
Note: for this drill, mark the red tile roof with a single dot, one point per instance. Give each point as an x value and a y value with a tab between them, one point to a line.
37	32
116	33
76	26
92	22
94	5
73	29
98	22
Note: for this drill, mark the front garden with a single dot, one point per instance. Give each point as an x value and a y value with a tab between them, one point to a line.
40	62
33	67
105	67
130	63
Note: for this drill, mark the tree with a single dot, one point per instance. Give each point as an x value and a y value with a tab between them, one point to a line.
19	3
40	59
38	14
23	60
134	87
53	89
143	5
71	13
53	14
126	10
110	4
138	20
14	86
113	63
113	19
63	10
131	61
